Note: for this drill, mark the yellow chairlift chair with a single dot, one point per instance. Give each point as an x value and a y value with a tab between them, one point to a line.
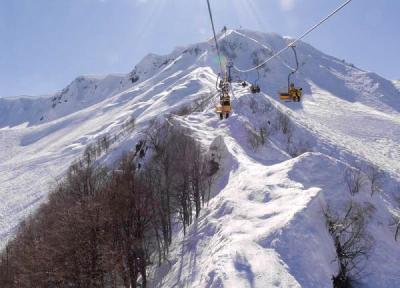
293	93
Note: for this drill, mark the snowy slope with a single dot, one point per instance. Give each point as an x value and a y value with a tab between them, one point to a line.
397	83
265	228
264	221
33	156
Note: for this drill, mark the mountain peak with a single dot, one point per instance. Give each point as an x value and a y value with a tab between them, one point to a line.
279	163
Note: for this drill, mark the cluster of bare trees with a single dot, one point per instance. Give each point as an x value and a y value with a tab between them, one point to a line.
103	227
349	229
103	142
257	138
198	105
396	234
294	147
354	180
352	242
93	232
357	177
101	145
376	178
184	173
396	218
284	125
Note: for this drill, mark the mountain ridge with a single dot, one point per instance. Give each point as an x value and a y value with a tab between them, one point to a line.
347	116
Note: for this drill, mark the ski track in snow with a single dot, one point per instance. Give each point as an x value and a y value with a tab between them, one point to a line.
264	225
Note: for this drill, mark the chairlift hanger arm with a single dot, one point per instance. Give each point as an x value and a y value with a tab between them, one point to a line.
297	65
217	83
295	56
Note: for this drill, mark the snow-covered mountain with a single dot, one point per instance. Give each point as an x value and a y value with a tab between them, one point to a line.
397	83
264	227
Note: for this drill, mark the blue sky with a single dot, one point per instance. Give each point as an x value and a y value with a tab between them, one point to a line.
45	44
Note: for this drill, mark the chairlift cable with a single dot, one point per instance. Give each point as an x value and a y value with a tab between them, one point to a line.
297	40
260	44
215	36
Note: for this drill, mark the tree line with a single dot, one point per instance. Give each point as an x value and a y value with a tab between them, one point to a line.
104	227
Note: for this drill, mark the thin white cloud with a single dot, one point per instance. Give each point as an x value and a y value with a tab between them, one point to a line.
287	5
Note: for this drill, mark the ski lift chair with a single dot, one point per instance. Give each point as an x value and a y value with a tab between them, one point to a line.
224	106
293	93
255	88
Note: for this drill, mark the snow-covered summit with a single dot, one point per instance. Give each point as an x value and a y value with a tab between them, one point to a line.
264	219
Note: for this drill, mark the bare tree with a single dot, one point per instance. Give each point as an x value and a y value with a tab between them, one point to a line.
375	176
201	102
253	105
183	110
129	125
156	134
285	126
198	105
284	123
263	134
352	241
354	180
296	149
396	234
211	167
396	218
255	139
7	269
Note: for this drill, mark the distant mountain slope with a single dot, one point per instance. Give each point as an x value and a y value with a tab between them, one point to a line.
264	218
397	83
